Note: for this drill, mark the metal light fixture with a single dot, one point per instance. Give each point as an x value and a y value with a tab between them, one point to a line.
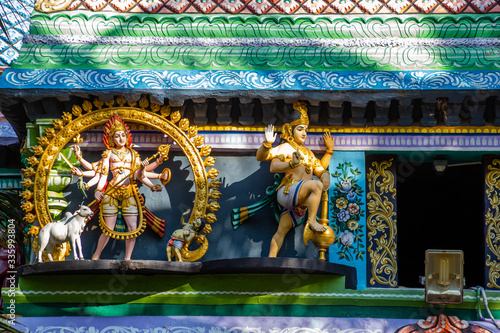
444	278
440	165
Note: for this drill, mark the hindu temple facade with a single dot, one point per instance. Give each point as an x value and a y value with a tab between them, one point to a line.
408	89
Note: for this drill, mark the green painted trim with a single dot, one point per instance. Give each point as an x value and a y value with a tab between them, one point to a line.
261	58
279	289
58	309
267	26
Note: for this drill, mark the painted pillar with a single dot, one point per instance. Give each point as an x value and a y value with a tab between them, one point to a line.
381	218
492	221
347	212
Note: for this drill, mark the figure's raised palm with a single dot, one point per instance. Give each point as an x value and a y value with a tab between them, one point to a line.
270	135
329	141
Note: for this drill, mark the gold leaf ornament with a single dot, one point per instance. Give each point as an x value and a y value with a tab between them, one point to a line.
215	195
26	194
37	150
34	230
175	117
98	103
212	173
207	229
76	110
30	218
209	161
28	172
144	103
87	106
210	218
27	206
43	141
165	111
32	160
155	107
213	206
214	184
58	124
50	133
184	124
193	131
205	150
67	117
199	141
27	183
121	101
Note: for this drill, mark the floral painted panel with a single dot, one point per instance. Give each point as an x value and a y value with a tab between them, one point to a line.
347	212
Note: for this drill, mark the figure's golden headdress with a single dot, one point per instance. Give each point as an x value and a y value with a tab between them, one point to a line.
304	119
115	124
287	132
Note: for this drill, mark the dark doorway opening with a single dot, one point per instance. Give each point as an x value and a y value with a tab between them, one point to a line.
440	211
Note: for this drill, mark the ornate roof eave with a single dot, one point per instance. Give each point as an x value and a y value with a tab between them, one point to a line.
179	85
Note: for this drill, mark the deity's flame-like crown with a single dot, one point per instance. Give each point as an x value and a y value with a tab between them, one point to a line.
302	108
115	124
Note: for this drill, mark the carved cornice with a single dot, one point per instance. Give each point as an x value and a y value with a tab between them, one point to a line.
348	58
260	7
268	27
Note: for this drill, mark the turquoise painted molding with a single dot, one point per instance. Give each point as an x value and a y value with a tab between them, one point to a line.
258	58
269	26
23	81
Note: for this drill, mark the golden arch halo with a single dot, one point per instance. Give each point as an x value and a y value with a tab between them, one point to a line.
183	134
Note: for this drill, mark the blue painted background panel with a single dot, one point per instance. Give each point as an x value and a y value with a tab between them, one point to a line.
348	212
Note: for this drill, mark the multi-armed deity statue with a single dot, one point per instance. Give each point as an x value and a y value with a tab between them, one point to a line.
115	176
298	193
120	194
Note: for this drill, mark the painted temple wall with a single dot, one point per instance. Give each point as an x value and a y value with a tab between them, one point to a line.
244	181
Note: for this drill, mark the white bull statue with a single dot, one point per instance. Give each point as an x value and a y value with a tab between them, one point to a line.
68	229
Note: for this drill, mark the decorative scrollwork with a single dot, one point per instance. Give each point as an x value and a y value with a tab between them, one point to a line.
381	224
86	117
492	220
47	6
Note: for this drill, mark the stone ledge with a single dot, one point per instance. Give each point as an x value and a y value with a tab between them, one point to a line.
223	266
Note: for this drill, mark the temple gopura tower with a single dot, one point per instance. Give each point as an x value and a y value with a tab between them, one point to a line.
407	89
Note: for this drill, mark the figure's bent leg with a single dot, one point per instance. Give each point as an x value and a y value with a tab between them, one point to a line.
131	221
310	192
169	253
103	239
284	226
178	254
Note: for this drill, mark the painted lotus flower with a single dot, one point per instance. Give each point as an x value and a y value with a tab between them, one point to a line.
347	238
352	196
345	186
341	203
353	208
352	224
343	215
